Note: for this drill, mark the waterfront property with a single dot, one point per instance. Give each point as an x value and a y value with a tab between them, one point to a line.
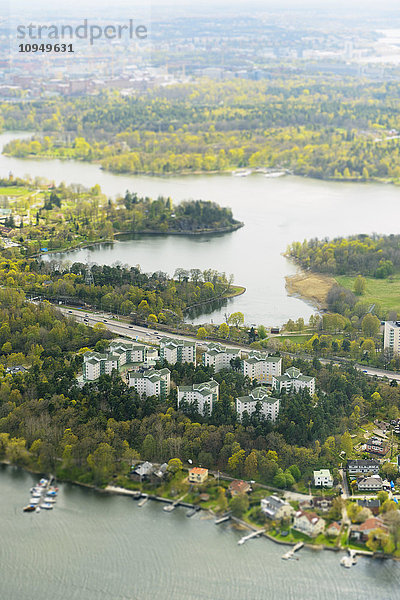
275	508
363	466
260	400
369	484
333	529
198	475
308	523
238	487
219	357
177	351
260	366
202	396
323	478
118	354
151	382
391	337
293	381
361	532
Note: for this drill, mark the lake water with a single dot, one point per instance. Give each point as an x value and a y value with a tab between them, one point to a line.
101	547
276	211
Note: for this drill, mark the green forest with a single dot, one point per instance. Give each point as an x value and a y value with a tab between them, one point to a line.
328	129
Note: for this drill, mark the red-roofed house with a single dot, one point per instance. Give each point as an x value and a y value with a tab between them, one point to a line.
361	532
308	523
198	475
238	487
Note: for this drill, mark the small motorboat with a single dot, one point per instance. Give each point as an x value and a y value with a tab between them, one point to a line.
37	494
50	499
29	508
35	501
51	493
47	505
43	482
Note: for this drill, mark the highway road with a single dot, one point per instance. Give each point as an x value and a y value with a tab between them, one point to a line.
150	335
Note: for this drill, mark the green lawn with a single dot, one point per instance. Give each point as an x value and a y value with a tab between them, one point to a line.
385	292
14	191
297	339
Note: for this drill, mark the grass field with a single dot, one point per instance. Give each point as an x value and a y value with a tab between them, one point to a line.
14	191
297	339
385	292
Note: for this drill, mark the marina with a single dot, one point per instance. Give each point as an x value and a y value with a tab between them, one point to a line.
43	495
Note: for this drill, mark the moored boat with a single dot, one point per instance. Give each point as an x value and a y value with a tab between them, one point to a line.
29	508
47	505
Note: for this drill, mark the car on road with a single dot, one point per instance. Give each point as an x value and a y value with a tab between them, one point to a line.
70	311
364	371
130	326
105	320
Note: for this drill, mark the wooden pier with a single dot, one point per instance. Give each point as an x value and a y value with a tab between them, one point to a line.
143	500
251	535
174	504
224	518
291	552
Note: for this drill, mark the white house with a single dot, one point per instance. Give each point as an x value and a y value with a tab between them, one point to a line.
308	523
259	397
151	382
293	381
323	478
219	357
391	337
204	395
260	366
177	351
275	508
363	466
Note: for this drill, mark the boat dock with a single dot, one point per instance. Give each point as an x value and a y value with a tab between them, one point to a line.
143	500
251	535
291	552
225	517
174	504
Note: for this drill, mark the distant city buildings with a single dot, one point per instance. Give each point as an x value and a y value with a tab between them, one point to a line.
293	381
259	398
177	351
391	339
151	382
260	366
202	396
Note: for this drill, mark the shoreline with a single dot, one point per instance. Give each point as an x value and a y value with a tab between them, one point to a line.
239	523
310	287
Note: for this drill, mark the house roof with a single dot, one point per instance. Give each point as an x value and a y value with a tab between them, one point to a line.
198	471
312	517
370	524
362	462
239	486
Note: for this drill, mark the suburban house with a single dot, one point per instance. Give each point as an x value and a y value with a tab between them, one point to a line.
177	351
118	354
143	471
361	532
323	478
372	503
260	366
321	503
333	529
391	336
219	357
197	475
369	484
293	381
238	487
259	398
377	446
308	523
363	466
203	395
275	508
151	382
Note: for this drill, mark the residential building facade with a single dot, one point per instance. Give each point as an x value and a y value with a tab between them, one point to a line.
177	351
369	484
308	523
258	398
219	357
275	508
151	382
363	466
204	395
198	475
118	354
323	478
293	381
260	366
391	336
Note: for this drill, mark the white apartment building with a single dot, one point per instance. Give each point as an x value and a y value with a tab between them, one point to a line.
293	381
260	396
260	366
219	357
203	394
391	339
118	353
177	351
151	382
323	478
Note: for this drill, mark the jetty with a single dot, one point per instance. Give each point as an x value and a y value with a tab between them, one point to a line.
290	553
174	504
251	535
226	517
143	500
